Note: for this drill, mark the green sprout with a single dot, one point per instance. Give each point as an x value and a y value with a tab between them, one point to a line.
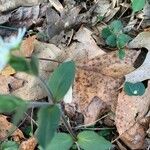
114	37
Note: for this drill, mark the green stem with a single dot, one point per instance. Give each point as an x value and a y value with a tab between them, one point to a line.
10	28
37	104
51	101
50	97
68	127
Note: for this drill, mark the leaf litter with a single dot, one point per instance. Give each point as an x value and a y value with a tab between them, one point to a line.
100	75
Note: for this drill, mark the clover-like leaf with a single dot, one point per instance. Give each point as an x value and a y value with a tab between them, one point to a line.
111	40
134	89
116	26
106	33
61	80
138	5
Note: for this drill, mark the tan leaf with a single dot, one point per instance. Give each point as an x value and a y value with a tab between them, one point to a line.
8	70
29	144
109	64
85	48
6	5
6	126
91	80
142	73
141	40
131	109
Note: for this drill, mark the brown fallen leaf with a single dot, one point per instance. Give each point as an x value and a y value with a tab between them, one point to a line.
6	126
130	110
29	144
6	5
95	109
8	70
85	48
90	81
110	65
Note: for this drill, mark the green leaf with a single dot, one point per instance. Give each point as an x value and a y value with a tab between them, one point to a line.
61	141
48	121
111	41
61	80
9	104
106	33
116	26
9	145
122	40
138	5
19	64
134	89
121	53
34	63
89	140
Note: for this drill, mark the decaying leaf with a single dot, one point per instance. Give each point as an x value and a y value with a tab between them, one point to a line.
6	5
130	110
110	65
142	73
91	81
6	126
141	40
8	70
85	47
29	144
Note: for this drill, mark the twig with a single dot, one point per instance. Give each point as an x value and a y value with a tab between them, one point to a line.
50	97
37	104
78	147
10	28
46	59
86	125
68	128
51	101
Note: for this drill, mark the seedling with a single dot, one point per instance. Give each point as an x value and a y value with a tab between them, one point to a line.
114	37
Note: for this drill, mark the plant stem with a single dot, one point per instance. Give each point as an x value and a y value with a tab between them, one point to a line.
50	97
51	101
37	104
47	59
10	28
68	127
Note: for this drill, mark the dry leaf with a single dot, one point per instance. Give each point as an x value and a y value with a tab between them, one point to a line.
6	126
90	82
86	46
6	5
29	144
7	71
130	110
110	65
142	73
57	5
95	109
141	40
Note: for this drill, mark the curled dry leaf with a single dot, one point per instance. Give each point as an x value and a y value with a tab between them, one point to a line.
6	126
130	110
141	40
142	73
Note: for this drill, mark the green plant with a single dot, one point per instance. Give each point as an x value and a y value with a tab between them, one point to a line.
134	89
114	37
50	113
137	5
